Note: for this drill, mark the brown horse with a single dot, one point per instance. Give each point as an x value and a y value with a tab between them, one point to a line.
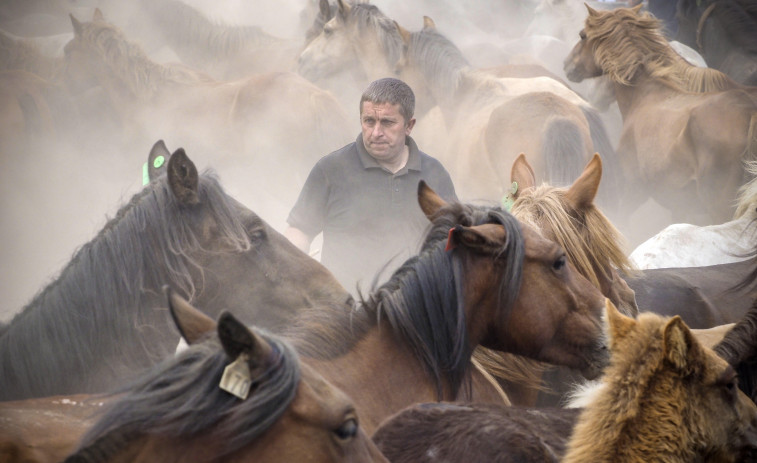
97	324
497	284
684	150
271	407
664	397
279	121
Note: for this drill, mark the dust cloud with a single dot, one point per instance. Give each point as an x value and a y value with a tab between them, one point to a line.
61	181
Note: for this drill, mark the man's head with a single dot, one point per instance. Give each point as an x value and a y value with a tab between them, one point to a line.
386	117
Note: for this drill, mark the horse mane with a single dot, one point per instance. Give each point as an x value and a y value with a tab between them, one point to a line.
100	296
189	26
631	43
746	201
368	17
422	301
439	60
598	241
129	62
181	398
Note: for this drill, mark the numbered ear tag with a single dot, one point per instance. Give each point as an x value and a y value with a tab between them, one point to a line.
236	378
509	198
145	175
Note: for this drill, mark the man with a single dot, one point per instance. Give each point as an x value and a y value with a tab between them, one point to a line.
363	197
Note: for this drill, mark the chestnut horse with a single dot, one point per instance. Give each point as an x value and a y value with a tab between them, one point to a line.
271	407
684	150
481	278
696	413
97	323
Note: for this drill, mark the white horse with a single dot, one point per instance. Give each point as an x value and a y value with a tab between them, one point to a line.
685	245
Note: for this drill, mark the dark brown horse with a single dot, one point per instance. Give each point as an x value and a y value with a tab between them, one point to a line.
99	322
625	407
724	32
481	278
192	408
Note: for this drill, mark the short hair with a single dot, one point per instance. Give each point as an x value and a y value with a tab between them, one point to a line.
392	91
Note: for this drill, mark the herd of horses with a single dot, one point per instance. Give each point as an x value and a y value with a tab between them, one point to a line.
474	349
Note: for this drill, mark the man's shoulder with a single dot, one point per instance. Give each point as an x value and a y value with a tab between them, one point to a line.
430	163
339	157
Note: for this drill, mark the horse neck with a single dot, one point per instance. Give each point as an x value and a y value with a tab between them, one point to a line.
629	97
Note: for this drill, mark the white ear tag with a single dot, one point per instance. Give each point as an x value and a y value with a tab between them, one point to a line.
236	378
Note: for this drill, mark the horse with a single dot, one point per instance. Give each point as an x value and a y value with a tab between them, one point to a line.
723	32
254	116
223	51
670	135
686	245
705	417
240	395
97	323
480	278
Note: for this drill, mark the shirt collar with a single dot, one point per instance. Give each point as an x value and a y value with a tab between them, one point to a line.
413	161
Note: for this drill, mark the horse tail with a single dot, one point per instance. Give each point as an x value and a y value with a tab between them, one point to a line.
563	151
611	186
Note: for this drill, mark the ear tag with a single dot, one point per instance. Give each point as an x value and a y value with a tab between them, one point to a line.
145	175
509	198
450	244
236	378
158	162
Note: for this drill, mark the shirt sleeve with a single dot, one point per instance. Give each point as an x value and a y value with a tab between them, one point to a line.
309	212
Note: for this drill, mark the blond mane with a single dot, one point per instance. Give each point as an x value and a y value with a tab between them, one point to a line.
747	198
597	240
627	45
130	64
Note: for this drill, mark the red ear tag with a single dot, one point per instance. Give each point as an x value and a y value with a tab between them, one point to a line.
450	244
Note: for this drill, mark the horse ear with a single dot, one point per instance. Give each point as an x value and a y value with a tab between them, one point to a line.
637	8
344	8
193	325
581	194
98	15
182	177
523	174
428	23
679	345
404	33
77	25
619	325
156	160
592	11
486	238
429	201
237	339
324	8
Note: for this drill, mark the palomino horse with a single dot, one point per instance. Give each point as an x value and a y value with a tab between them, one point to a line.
240	396
724	32
686	245
696	413
97	324
280	121
684	150
480	279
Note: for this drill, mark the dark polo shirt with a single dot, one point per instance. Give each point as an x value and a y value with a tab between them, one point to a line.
368	215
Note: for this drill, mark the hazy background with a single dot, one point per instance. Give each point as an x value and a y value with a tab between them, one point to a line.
59	189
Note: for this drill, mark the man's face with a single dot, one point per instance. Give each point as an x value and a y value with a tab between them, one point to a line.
384	130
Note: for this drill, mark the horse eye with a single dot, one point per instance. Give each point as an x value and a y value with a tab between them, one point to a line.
559	263
257	235
582	35
347	430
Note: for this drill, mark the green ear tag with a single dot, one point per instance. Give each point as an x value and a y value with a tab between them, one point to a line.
509	198
145	175
158	162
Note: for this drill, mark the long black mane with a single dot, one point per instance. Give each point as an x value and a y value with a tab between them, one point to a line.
422	301
181	399
103	304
